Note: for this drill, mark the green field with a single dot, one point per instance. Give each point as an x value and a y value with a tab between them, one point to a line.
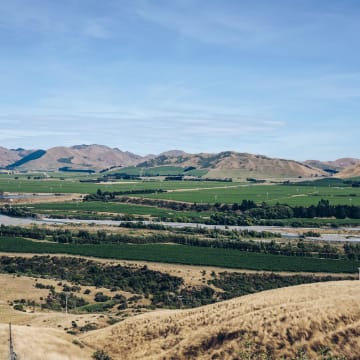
196	191
184	255
271	194
74	186
112	207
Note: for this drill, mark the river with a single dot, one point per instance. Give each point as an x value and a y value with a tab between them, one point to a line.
352	235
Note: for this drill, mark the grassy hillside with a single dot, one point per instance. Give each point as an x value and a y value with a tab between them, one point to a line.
301	322
242	163
350	172
32	156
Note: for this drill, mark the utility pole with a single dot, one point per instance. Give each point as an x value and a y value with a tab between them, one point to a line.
12	354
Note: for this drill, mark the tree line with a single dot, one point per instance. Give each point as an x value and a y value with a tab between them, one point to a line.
214	238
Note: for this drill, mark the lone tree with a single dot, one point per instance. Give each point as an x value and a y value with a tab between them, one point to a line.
101	355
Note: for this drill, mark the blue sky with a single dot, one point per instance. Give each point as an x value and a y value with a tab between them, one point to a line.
280	78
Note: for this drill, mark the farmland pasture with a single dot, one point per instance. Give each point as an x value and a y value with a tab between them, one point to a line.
197	191
271	194
74	186
111	207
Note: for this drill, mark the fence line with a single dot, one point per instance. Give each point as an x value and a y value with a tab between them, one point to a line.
12	354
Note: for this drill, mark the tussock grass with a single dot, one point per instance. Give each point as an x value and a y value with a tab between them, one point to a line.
274	324
41	343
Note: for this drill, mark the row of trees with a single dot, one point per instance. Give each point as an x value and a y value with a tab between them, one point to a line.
201	237
111	195
249	208
15	211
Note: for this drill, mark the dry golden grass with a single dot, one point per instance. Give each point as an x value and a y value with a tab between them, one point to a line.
352	171
39	343
42	334
51	198
23	287
276	322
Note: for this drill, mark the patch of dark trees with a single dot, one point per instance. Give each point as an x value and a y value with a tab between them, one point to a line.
111	195
256	181
322	210
69	169
59	300
163	289
91	273
326	182
16	211
182	178
239	284
27	232
106	178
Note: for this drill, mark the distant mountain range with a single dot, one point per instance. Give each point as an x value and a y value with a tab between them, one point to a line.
223	164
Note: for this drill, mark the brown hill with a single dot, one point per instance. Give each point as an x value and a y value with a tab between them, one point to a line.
345	162
353	171
224	164
8	157
279	323
173	153
338	164
82	157
233	164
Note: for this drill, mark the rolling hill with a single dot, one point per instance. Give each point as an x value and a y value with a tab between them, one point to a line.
297	322
336	165
217	165
79	157
233	164
283	323
9	156
353	171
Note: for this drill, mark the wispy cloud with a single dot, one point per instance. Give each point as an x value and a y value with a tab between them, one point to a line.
97	28
145	126
48	19
235	24
205	23
21	134
326	84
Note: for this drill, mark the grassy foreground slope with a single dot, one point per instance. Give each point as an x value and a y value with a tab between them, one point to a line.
283	323
41	343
